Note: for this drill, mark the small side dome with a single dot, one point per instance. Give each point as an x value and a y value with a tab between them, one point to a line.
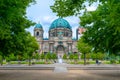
38	26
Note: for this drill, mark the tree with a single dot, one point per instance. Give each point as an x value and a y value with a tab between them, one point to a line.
1	61
13	22
65	8
102	25
31	46
1	58
84	48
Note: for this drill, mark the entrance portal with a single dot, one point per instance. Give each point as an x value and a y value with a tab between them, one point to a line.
60	51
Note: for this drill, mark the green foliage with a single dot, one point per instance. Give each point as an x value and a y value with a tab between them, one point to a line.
76	57
25	56
48	56
53	56
98	55
31	46
103	31
65	56
65	8
42	56
119	61
7	59
88	56
112	57
37	56
13	22
0	59
112	61
71	56
93	56
40	62
102	25
83	47
12	57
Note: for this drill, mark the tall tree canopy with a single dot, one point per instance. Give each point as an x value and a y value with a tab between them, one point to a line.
102	25
65	8
13	22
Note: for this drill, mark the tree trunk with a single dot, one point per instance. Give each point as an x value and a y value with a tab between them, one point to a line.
1	60
29	61
84	59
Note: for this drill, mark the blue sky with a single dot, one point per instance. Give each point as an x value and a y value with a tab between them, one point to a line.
41	13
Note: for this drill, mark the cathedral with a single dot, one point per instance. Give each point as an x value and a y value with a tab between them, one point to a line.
59	39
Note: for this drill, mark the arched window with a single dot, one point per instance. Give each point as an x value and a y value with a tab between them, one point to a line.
37	34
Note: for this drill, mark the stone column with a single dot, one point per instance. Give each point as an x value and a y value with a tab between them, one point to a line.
51	48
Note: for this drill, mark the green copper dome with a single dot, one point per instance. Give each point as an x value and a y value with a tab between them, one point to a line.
60	23
38	26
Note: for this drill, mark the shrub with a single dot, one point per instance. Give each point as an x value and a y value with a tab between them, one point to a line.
53	56
71	56
65	56
42	56
37	56
112	61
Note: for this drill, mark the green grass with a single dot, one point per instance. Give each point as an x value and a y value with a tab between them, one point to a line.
90	62
66	61
39	62
16	62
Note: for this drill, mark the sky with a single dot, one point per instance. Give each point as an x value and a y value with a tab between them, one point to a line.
41	13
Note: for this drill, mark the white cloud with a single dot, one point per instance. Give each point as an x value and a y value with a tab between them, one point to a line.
41	13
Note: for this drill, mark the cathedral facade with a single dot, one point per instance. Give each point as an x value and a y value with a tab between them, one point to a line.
59	39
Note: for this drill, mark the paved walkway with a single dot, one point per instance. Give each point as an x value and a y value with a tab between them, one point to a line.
60	72
60	69
59	66
50	75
